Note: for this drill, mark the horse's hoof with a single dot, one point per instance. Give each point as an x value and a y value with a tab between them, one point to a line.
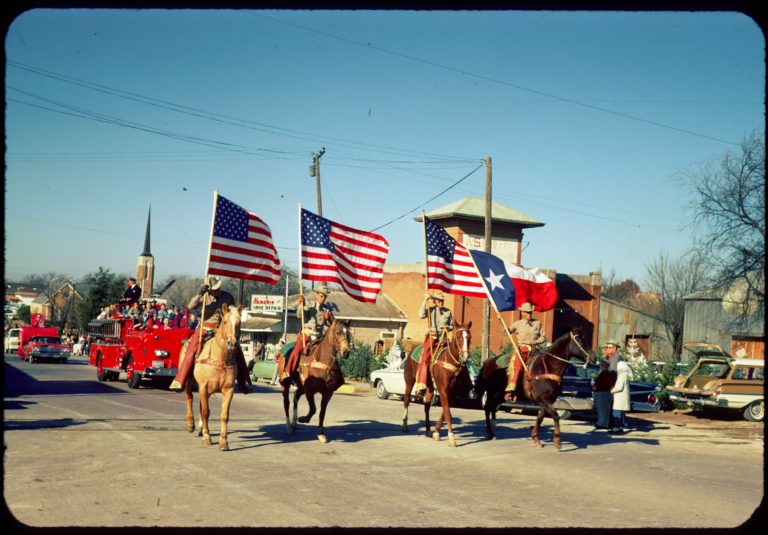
452	442
207	442
288	430
404	429
303	420
436	436
191	428
322	439
490	437
536	444
223	446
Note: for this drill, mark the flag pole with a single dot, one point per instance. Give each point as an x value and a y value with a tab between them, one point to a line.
208	266
498	315
426	277
301	281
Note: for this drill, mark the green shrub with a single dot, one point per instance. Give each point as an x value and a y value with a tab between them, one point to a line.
360	363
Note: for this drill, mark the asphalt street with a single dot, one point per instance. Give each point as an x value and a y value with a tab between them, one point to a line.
81	453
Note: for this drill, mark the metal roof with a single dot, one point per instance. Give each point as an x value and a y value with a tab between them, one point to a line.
348	308
474	208
259	324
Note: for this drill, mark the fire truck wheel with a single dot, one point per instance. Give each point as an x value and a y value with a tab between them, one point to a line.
133	377
101	374
31	359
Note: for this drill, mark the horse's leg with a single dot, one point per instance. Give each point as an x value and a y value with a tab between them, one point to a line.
312	408
427	402
188	400
226	403
205	412
445	415
287	408
410	379
550	411
536	426
326	397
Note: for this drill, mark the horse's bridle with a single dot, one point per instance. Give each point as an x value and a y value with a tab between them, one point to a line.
573	339
463	352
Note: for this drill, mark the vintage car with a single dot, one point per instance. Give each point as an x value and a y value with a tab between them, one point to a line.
718	380
266	367
390	381
12	340
41	348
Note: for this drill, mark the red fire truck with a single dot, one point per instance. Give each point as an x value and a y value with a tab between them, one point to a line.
119	345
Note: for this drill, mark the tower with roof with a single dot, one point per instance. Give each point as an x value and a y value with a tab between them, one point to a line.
145	268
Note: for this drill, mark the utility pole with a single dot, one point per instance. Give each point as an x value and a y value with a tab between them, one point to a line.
314	170
488	214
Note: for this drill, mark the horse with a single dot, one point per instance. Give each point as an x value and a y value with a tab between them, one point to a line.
317	372
447	372
541	383
215	371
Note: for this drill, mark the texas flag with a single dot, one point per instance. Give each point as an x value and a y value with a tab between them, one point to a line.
509	286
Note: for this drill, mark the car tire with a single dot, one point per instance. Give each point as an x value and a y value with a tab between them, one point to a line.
381	391
132	376
755	411
31	359
563	414
101	374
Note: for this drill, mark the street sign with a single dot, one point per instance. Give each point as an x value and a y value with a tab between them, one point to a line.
267	303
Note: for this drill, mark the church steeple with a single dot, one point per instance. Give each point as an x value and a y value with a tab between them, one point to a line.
146	238
145	269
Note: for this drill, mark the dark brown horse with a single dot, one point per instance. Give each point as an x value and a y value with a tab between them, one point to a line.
541	383
446	372
317	372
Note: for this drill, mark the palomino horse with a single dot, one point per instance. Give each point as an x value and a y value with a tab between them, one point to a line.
541	383
215	371
317	372
446	370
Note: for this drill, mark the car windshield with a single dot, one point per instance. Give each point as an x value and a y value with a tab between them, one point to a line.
45	340
712	369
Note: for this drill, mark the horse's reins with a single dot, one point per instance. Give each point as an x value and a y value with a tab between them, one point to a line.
553	376
447	365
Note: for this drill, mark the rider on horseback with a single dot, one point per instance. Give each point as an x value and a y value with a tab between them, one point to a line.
440	323
315	324
529	335
211	297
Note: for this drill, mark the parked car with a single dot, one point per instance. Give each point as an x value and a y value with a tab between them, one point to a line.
390	381
722	381
46	348
264	368
11	344
576	393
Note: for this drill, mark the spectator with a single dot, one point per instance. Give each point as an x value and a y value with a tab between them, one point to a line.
602	395
167	324
620	393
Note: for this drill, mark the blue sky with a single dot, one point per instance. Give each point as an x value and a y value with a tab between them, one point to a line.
589	118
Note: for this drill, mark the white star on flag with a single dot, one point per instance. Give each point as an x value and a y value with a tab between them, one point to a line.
495	280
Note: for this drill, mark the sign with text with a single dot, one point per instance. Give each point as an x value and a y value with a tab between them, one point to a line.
267	303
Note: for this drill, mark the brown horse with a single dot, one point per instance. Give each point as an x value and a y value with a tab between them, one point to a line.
446	369
317	372
541	383
215	371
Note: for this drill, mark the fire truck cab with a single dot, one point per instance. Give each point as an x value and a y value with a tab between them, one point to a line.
119	345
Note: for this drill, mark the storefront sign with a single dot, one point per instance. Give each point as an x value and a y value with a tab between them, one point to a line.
267	303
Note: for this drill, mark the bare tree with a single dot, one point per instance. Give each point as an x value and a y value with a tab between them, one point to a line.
672	280
729	220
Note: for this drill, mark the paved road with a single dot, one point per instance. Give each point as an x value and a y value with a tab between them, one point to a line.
83	453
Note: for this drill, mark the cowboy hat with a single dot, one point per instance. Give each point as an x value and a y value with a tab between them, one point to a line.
321	290
438	296
213	283
612	342
527	307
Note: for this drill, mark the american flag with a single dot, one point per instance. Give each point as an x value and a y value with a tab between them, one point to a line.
241	246
449	266
331	252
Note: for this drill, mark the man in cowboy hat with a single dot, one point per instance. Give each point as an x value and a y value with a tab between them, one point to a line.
440	324
211	297
315	325
529	335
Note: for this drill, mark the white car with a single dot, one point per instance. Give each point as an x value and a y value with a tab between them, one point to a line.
12	341
390	381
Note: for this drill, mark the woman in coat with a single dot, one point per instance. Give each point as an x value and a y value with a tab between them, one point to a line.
620	393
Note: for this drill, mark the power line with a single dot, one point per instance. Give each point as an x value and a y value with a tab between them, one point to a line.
583	103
